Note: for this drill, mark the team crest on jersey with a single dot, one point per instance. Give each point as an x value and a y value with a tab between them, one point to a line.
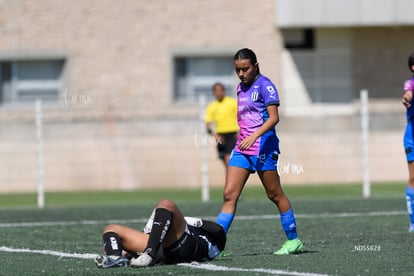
254	96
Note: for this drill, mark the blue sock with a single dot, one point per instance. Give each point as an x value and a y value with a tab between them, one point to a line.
409	195
289	224
225	220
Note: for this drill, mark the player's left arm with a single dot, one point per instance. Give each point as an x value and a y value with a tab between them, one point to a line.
215	232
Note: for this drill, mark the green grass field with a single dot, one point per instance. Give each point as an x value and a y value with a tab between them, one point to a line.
343	234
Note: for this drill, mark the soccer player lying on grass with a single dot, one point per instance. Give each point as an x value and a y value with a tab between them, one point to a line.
167	237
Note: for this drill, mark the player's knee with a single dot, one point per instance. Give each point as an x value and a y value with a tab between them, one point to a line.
166	204
275	197
411	181
229	196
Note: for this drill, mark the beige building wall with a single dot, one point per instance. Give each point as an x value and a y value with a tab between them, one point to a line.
117	124
119	53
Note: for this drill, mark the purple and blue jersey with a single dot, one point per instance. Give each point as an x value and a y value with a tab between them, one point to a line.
252	113
409	85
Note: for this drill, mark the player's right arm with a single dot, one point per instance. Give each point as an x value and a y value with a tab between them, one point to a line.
408	93
407	97
208	128
208	118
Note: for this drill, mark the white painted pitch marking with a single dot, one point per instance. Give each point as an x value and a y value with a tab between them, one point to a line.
49	252
74	222
212	267
209	267
330	215
238	217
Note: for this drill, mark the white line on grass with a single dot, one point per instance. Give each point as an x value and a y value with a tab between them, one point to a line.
330	215
238	217
49	252
73	222
212	267
209	267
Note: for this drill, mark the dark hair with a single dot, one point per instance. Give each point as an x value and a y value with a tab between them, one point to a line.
246	53
411	62
218	84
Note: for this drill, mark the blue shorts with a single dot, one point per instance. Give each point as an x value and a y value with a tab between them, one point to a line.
262	162
409	141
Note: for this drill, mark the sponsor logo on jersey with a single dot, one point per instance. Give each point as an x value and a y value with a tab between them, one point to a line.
271	89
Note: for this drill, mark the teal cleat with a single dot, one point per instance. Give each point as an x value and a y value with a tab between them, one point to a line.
111	261
290	247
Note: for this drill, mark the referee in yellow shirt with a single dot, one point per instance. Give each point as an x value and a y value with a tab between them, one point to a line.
223	114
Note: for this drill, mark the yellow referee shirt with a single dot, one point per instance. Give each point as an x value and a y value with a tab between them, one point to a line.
223	114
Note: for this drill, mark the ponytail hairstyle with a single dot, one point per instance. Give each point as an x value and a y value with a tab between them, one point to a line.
411	62
246	53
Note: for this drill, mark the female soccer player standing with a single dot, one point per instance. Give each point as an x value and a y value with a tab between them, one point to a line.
257	148
407	100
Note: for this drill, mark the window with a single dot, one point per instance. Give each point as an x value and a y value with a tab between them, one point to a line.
194	76
26	81
326	74
299	38
322	60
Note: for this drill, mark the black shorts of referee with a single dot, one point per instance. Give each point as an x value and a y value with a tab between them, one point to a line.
229	141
